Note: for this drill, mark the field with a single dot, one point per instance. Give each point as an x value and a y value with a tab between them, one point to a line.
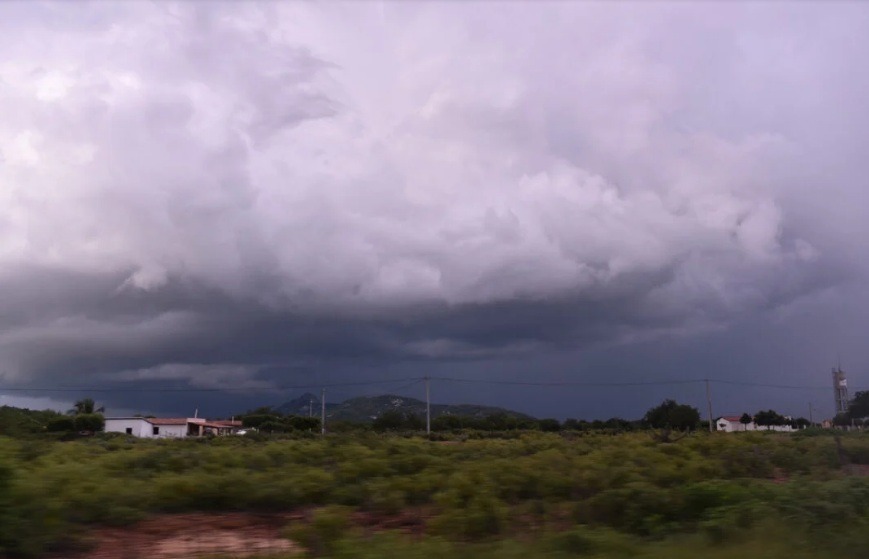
363	495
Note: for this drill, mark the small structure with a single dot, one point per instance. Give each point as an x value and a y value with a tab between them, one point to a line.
731	424
160	428
840	391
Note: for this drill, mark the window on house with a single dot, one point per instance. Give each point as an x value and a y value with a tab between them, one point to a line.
156	431
129	430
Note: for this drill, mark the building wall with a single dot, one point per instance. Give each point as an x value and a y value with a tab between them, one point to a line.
170	431
733	426
737	427
140	427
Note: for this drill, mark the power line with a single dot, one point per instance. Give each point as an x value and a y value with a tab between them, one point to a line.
765	385
410	381
68	388
565	383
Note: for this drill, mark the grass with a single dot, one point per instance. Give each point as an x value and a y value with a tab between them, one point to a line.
535	495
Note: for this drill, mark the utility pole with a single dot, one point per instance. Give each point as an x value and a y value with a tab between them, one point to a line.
311	407
323	413
427	407
811	419
709	405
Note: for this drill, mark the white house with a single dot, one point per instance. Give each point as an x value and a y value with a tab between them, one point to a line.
731	424
155	427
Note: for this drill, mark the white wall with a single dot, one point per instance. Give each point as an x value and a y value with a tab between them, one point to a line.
732	426
140	427
737	427
171	431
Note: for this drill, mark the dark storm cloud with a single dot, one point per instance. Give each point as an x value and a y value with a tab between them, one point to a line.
245	196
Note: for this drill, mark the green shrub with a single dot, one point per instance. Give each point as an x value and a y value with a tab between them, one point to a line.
91	422
61	424
321	534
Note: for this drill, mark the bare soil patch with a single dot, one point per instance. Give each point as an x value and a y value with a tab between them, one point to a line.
236	535
187	536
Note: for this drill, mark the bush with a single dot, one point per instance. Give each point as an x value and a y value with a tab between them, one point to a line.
90	422
321	534
61	424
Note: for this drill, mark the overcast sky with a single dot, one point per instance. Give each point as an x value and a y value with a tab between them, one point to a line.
255	196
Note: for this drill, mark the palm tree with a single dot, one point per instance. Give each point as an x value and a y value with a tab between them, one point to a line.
86	406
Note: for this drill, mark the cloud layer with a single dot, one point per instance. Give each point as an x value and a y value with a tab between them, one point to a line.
190	192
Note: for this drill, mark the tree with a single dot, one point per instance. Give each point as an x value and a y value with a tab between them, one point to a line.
89	422
87	417
452	422
575	424
769	418
61	424
745	420
618	424
859	406
549	425
397	420
86	406
672	415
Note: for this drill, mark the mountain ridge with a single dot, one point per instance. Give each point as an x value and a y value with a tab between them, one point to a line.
365	409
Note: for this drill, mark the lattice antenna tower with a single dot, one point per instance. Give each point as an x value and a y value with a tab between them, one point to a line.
840	390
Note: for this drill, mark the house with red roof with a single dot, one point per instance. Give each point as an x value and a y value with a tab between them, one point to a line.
174	427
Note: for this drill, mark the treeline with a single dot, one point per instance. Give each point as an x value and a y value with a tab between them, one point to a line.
268	420
397	420
18	422
669	415
858	411
84	417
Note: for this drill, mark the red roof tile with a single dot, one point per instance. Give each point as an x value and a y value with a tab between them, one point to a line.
166	421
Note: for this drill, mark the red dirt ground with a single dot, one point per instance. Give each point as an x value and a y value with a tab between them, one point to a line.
237	535
186	536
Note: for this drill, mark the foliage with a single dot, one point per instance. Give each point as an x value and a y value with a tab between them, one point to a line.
398	420
89	422
671	415
859	406
86	406
746	419
769	418
566	493
61	425
769	540
17	422
268	420
322	533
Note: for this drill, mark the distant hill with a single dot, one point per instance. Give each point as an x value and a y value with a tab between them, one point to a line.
304	405
365	409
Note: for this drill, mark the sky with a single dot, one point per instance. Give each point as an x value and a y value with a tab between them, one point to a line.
216	206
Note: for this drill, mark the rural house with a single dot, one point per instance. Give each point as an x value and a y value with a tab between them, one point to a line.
731	424
155	427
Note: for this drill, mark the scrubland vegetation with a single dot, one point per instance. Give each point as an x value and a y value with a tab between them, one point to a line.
472	495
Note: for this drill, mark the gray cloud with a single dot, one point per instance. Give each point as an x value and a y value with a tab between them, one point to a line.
248	193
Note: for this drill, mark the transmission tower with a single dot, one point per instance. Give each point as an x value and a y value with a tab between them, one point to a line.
840	390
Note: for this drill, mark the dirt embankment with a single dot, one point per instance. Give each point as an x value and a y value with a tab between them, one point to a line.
237	535
186	536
